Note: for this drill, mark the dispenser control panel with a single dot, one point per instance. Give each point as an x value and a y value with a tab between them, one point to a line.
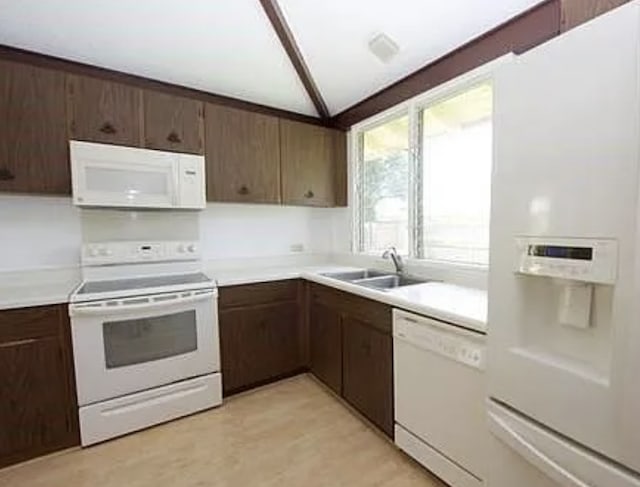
577	259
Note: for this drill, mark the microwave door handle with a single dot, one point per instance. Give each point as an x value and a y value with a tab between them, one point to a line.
150	304
530	453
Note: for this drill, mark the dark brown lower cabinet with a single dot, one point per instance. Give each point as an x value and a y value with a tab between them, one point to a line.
259	341
38	405
367	374
325	337
352	351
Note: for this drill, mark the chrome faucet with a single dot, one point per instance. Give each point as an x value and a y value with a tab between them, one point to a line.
392	253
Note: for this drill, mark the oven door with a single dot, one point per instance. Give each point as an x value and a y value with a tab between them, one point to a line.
127	345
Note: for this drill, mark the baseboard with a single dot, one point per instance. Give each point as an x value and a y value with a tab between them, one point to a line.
270	380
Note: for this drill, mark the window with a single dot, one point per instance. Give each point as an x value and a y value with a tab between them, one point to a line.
384	189
429	198
456	167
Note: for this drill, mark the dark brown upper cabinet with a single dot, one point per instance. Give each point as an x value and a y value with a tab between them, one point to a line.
340	161
308	160
38	406
243	156
173	123
104	111
33	142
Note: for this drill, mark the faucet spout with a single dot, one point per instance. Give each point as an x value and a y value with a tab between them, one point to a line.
392	253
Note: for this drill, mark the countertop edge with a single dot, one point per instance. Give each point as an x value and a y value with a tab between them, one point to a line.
399	302
309	273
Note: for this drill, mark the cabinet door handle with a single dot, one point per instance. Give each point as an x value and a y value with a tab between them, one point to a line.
309	194
6	174
108	128
243	190
174	138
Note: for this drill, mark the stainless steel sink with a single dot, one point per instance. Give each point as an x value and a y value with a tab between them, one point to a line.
389	281
375	279
356	275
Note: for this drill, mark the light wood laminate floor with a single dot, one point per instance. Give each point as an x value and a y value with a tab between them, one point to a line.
293	433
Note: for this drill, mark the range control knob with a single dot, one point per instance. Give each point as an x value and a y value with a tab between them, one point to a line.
191	248
93	252
181	249
105	252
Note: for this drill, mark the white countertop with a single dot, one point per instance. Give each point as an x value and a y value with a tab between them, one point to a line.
37	287
452	303
462	306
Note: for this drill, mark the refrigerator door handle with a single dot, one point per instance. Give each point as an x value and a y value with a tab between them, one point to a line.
528	451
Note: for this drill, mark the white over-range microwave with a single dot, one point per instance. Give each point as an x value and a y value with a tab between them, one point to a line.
126	177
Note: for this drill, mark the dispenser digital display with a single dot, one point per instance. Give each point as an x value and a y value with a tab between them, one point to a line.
561	252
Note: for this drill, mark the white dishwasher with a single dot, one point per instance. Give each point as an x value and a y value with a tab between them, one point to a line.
440	408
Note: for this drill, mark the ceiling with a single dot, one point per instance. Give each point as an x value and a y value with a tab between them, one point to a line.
229	47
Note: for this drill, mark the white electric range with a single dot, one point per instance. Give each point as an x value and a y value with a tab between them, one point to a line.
145	337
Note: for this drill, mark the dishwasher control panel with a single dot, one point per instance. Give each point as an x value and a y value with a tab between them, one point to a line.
463	346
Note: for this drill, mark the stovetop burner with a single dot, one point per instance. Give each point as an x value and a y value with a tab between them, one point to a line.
98	287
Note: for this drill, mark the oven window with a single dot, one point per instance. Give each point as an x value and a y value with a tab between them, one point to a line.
130	342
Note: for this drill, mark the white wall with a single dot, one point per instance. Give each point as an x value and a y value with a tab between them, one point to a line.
37	232
236	231
46	232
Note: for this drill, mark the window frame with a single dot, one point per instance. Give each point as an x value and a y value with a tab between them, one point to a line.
413	108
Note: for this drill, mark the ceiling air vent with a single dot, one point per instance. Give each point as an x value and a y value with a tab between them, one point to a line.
383	47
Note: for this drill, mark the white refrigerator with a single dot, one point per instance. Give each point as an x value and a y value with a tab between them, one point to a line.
564	285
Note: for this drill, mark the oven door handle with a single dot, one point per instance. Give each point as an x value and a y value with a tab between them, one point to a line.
112	306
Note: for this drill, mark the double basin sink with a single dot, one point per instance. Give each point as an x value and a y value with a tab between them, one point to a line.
374	279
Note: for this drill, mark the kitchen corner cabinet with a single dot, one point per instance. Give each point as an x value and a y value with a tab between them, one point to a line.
33	142
309	163
38	406
325	343
104	111
243	156
173	123
260	338
352	351
368	371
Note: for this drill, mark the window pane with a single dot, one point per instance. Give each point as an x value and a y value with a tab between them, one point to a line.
457	154
385	191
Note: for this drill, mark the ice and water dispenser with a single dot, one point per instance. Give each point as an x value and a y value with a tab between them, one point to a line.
575	265
565	301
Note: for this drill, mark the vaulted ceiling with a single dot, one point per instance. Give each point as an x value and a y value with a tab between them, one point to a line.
229	47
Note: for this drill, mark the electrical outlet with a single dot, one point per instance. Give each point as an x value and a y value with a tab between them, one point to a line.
298	247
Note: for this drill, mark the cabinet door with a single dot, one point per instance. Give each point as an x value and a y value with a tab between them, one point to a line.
173	123
103	111
308	168
38	410
325	338
33	142
341	168
243	156
258	344
368	372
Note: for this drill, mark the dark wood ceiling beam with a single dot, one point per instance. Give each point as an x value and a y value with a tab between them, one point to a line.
287	40
519	34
